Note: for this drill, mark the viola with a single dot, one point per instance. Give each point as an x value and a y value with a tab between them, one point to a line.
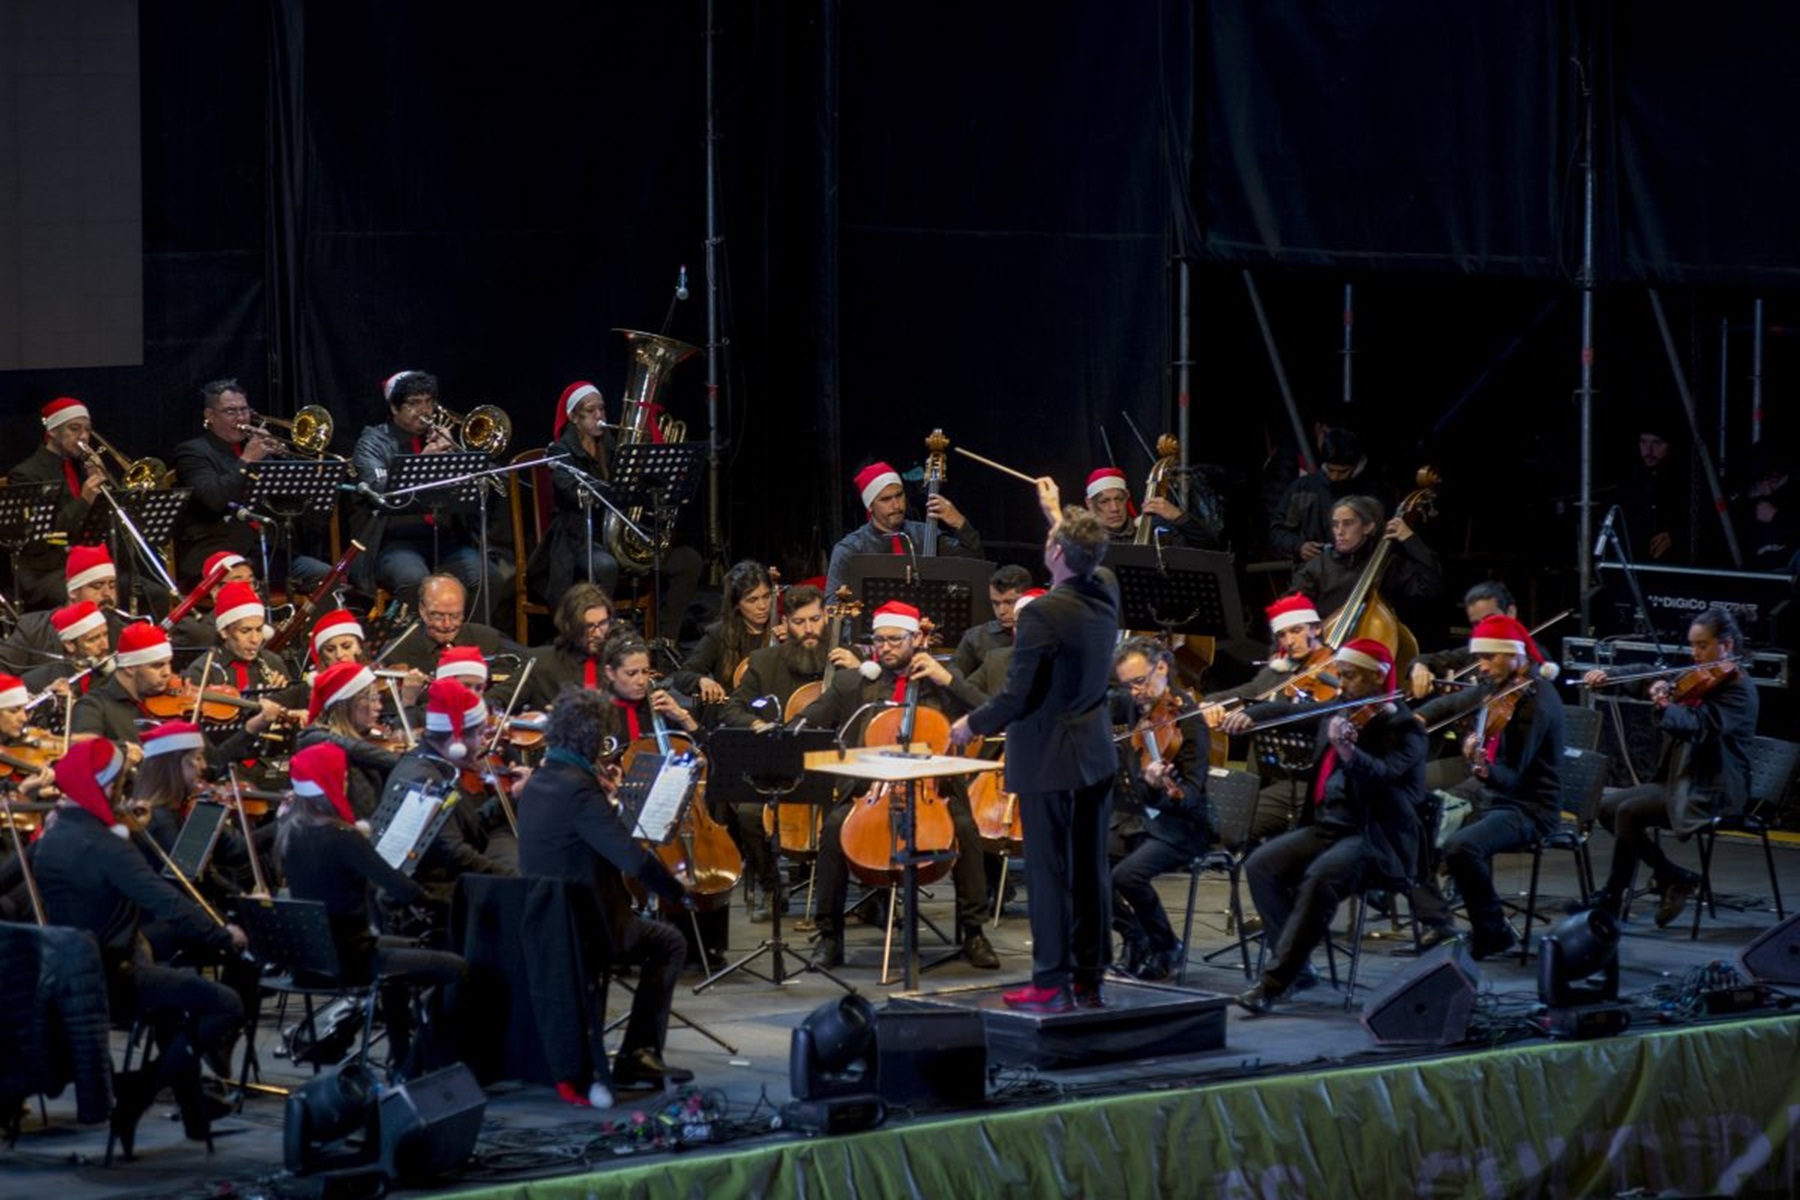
219	703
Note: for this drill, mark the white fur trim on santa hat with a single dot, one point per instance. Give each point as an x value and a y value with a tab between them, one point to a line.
1357	658
577	396
1287	620
1106	480
1496	646
879	484
170	743
14	697
353	686
64	413
227	617
324	633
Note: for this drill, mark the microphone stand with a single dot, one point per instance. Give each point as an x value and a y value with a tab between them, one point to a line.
149	556
588	488
1643	625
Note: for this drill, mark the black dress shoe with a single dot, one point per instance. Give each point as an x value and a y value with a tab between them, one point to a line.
828	951
196	1112
1484	944
645	1068
133	1093
1258	999
980	952
1675	897
1090	995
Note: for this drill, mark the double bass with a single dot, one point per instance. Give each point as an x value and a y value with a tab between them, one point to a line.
1365	614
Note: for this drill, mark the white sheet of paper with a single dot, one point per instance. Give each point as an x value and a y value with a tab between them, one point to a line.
663	805
402	834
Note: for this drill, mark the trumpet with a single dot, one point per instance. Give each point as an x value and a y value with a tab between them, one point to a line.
138	475
308	433
487	428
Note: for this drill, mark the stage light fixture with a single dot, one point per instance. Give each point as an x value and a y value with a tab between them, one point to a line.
831	1070
1570	956
328	1109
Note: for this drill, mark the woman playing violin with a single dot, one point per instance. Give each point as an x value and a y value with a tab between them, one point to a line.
1163	810
1709	718
343	711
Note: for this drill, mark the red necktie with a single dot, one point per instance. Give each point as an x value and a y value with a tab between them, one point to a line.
73	479
1327	765
631	717
899	689
242	671
898	547
590	678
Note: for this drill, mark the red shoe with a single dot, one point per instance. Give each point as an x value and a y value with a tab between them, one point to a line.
1089	995
1037	999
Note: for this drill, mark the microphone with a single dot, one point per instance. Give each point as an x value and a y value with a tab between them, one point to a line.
681	289
869	669
1605	532
844	729
912	566
375	497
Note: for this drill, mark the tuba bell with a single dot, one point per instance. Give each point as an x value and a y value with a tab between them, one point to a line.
653	357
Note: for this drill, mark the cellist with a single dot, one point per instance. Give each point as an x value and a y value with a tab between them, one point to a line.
1329	579
902	659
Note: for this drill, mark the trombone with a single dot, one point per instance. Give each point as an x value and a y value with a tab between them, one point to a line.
309	433
138	475
487	428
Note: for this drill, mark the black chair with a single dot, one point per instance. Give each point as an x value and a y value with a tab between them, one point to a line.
1583	779
1231	802
1581	727
294	937
1772	766
1359	930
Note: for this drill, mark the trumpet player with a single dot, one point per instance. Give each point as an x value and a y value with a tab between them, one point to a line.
66	456
216	466
407	542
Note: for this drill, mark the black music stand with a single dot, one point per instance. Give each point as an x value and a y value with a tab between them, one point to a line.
951	591
27	510
664	476
198	838
389	808
455	484
1177	590
148	517
289	488
749	767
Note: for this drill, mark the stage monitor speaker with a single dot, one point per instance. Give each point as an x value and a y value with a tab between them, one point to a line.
1428	1004
930	1057
1774	957
429	1124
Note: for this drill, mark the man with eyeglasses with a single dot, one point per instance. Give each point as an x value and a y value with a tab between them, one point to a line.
406	540
215	466
443	623
583	620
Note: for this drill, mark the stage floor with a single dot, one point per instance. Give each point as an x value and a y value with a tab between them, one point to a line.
529	1134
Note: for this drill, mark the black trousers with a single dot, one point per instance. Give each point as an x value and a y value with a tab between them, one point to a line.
1067	878
832	877
405	970
1297	882
1630	814
1138	912
1469	858
189	1013
659	952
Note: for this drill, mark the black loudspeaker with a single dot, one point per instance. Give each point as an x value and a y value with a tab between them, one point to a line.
1428	1004
1774	957
429	1125
930	1058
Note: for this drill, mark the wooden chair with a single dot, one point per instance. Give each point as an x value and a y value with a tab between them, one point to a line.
542	503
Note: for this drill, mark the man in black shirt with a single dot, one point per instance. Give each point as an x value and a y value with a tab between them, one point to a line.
67	428
444	622
569	830
1004	588
583	620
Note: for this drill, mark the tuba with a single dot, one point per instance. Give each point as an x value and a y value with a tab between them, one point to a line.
652	358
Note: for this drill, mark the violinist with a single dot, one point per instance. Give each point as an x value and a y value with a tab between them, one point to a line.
889	532
338	637
94	880
87	644
242	624
1412	574
141	671
166	780
91	577
1360	830
1004	588
1708	718
570	830
1516	769
1167	794
343	711
13	721
583	620
455	717
326	857
1060	758
745	624
61	458
1109	498
1484	599
903	661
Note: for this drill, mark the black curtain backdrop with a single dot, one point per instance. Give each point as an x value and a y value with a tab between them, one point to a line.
967	216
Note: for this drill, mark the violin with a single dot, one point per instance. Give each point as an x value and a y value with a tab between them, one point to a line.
219	704
1157	735
1700	679
1313	681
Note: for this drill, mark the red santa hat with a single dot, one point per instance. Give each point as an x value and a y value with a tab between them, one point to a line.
322	770
1290	611
388	384
896	615
1026	597
336	623
452	708
12	691
572	396
1368	654
86	771
1498	633
461	662
237	602
88	564
141	643
1105	479
221	561
61	411
173	737
77	620
873	480
340	681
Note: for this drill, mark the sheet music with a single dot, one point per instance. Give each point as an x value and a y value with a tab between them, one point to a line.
402	834
662	807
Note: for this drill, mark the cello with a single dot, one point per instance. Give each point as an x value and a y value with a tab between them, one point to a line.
871	842
1365	614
